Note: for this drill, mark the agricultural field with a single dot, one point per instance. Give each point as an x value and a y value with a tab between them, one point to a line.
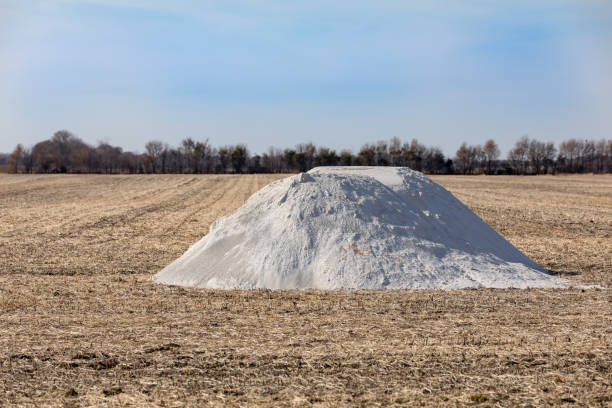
81	323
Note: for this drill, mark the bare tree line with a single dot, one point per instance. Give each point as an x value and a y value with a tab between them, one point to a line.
66	153
531	156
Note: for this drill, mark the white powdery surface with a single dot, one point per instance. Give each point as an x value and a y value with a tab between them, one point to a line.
354	227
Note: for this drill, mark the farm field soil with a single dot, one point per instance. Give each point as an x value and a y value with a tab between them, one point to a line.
81	324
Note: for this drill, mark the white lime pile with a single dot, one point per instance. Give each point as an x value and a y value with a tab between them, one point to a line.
354	227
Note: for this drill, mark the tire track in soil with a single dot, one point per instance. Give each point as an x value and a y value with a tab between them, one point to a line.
129	212
106	224
213	202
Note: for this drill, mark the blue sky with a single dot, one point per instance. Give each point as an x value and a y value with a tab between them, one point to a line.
278	72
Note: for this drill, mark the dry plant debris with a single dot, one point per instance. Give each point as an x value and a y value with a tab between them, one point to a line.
81	324
564	223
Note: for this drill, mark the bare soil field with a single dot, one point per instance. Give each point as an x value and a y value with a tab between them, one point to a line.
82	325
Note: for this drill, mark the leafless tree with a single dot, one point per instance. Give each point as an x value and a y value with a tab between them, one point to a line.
109	157
163	157
434	160
15	158
569	152
154	151
346	158
491	151
518	155
326	157
204	157
550	152
395	152
367	155
46	156
239	157
188	151
225	158
413	154
467	158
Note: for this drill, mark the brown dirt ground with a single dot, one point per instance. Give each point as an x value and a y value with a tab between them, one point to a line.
80	324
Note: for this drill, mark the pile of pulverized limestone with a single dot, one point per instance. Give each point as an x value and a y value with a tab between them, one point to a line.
354	227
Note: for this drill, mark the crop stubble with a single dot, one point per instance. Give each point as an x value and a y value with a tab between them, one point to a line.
80	324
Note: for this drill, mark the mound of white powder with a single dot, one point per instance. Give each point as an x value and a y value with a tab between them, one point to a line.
354	227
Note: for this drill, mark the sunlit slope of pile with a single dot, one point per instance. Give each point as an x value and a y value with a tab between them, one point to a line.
354	227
